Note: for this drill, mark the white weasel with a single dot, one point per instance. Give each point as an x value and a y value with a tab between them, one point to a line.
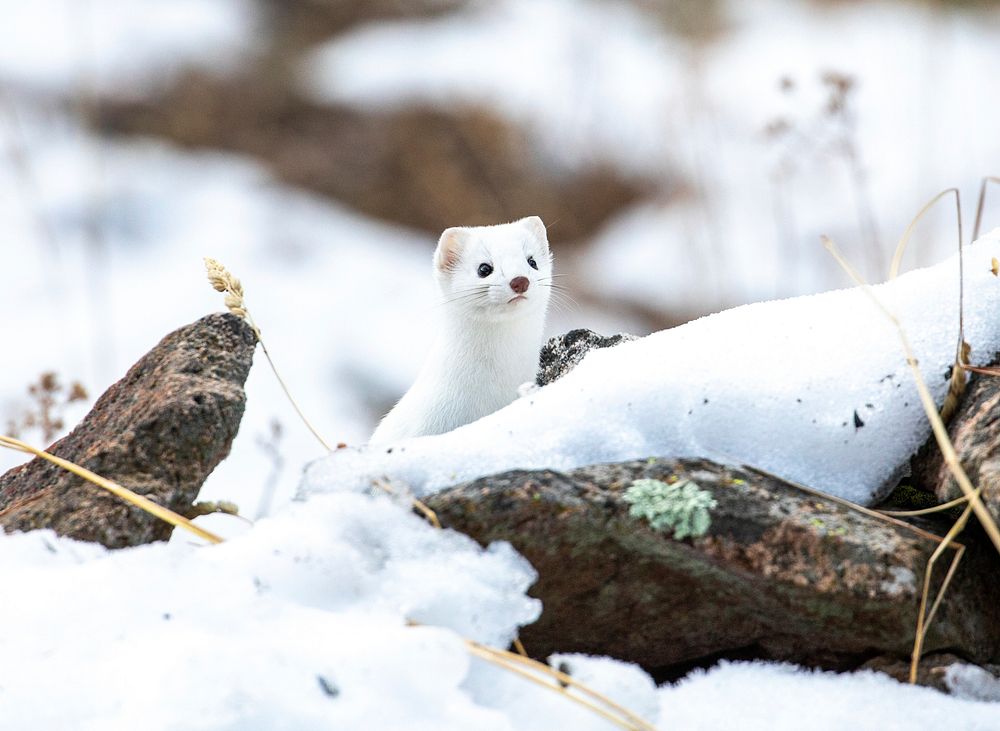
495	283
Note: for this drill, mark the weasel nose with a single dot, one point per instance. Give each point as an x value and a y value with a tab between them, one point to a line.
519	284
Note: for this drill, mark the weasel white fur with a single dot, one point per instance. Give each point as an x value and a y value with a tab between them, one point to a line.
495	283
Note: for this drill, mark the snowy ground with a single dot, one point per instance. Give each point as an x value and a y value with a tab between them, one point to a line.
301	624
263	631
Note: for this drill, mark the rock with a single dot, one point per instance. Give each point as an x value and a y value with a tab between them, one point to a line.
782	573
975	433
422	167
946	672
305	22
563	353
159	431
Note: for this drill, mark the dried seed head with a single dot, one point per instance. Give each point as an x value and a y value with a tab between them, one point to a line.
218	277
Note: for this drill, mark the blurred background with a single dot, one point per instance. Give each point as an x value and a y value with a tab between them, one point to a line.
686	155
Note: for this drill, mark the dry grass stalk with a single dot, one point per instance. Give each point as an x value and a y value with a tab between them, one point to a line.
222	281
926	511
519	647
950	458
421	506
114	488
924	620
541	674
561	682
982	200
937	426
958	380
904	240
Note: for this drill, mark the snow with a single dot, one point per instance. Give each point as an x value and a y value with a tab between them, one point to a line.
317	276
815	389
237	636
299	621
603	81
118	47
302	623
779	697
972	683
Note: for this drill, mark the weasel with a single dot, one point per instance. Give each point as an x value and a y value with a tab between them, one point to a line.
495	283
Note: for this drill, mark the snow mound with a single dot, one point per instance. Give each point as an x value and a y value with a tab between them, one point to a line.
299	623
778	697
815	389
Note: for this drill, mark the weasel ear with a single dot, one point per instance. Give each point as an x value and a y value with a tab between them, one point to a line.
449	249
537	228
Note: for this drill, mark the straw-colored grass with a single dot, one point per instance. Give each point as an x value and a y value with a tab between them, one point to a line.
970	493
222	281
141	502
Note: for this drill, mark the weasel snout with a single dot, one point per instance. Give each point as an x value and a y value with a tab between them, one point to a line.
519	284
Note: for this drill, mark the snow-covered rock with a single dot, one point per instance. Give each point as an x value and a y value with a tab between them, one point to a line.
815	389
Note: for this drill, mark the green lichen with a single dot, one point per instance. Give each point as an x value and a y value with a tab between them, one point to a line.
682	507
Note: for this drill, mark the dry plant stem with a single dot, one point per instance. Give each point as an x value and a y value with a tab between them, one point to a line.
222	281
281	382
904	240
924	619
427	512
926	511
114	488
983	371
519	646
877	514
982	201
954	466
956	387
522	666
940	432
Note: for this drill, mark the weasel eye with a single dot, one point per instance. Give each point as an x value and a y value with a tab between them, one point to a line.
532	263
484	270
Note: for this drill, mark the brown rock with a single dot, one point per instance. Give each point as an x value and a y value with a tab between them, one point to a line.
932	670
421	167
975	433
159	431
305	22
782	573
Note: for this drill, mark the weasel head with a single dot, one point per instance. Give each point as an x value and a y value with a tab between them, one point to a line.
495	272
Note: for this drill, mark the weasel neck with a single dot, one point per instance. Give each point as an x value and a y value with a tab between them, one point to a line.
504	352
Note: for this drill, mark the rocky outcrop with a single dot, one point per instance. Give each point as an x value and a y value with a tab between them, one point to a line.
563	353
159	431
974	431
781	572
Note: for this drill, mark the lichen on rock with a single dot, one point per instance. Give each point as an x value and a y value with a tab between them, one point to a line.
682	507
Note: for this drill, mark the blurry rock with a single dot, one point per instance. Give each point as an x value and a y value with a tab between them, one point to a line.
942	671
782	573
304	22
160	431
421	167
563	353
975	433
